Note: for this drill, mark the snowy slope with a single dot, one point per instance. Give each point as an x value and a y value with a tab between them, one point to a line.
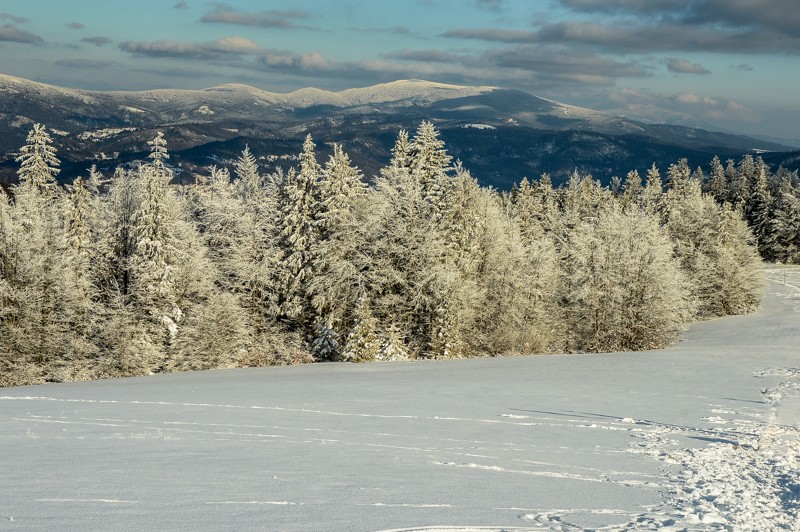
415	90
703	436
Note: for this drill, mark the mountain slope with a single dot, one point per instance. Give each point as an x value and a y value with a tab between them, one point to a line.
502	135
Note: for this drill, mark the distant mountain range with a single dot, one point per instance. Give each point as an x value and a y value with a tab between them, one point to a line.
501	135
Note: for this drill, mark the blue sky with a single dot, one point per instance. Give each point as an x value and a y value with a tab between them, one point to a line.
730	64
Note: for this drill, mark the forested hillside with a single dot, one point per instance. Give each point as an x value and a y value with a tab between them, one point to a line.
129	274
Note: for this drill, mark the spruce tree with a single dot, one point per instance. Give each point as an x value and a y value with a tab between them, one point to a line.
783	244
429	165
299	207
338	251
758	208
38	161
363	343
249	182
717	181
651	196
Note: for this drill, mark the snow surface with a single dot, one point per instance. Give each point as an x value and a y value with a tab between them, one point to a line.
702	436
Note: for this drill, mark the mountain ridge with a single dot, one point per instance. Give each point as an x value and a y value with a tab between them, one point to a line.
95	127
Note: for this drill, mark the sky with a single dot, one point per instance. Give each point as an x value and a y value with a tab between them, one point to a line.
724	64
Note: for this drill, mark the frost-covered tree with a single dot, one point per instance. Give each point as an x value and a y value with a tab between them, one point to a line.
78	222
406	257
717	181
632	188
299	207
714	246
743	181
363	343
783	242
402	152
155	248
38	161
430	164
515	307
625	290
325	345
168	270
650	199
249	182
758	207
338	252
40	307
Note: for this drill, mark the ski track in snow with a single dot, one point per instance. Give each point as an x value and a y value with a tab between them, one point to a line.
736	468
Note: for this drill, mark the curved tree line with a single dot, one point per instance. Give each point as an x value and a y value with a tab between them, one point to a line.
131	275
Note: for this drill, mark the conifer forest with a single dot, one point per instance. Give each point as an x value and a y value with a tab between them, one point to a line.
130	274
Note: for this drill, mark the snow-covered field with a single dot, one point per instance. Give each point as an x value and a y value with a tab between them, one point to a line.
702	436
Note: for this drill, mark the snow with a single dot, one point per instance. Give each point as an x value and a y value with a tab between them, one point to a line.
701	436
410	89
105	133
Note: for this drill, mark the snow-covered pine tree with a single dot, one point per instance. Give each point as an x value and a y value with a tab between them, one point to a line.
758	208
783	243
298	205
392	346
249	182
325	345
78	220
169	270
402	152
632	188
363	343
743	183
38	161
36	334
338	253
406	251
155	247
650	199
717	181
430	164
731	180
678	176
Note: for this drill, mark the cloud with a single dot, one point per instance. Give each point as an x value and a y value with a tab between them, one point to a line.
565	63
311	62
685	107
495	35
645	26
625	6
97	41
763	25
84	63
12	18
491	5
11	33
778	15
219	49
688	98
641	38
233	45
76	25
535	65
183	4
263	19
426	56
681	66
